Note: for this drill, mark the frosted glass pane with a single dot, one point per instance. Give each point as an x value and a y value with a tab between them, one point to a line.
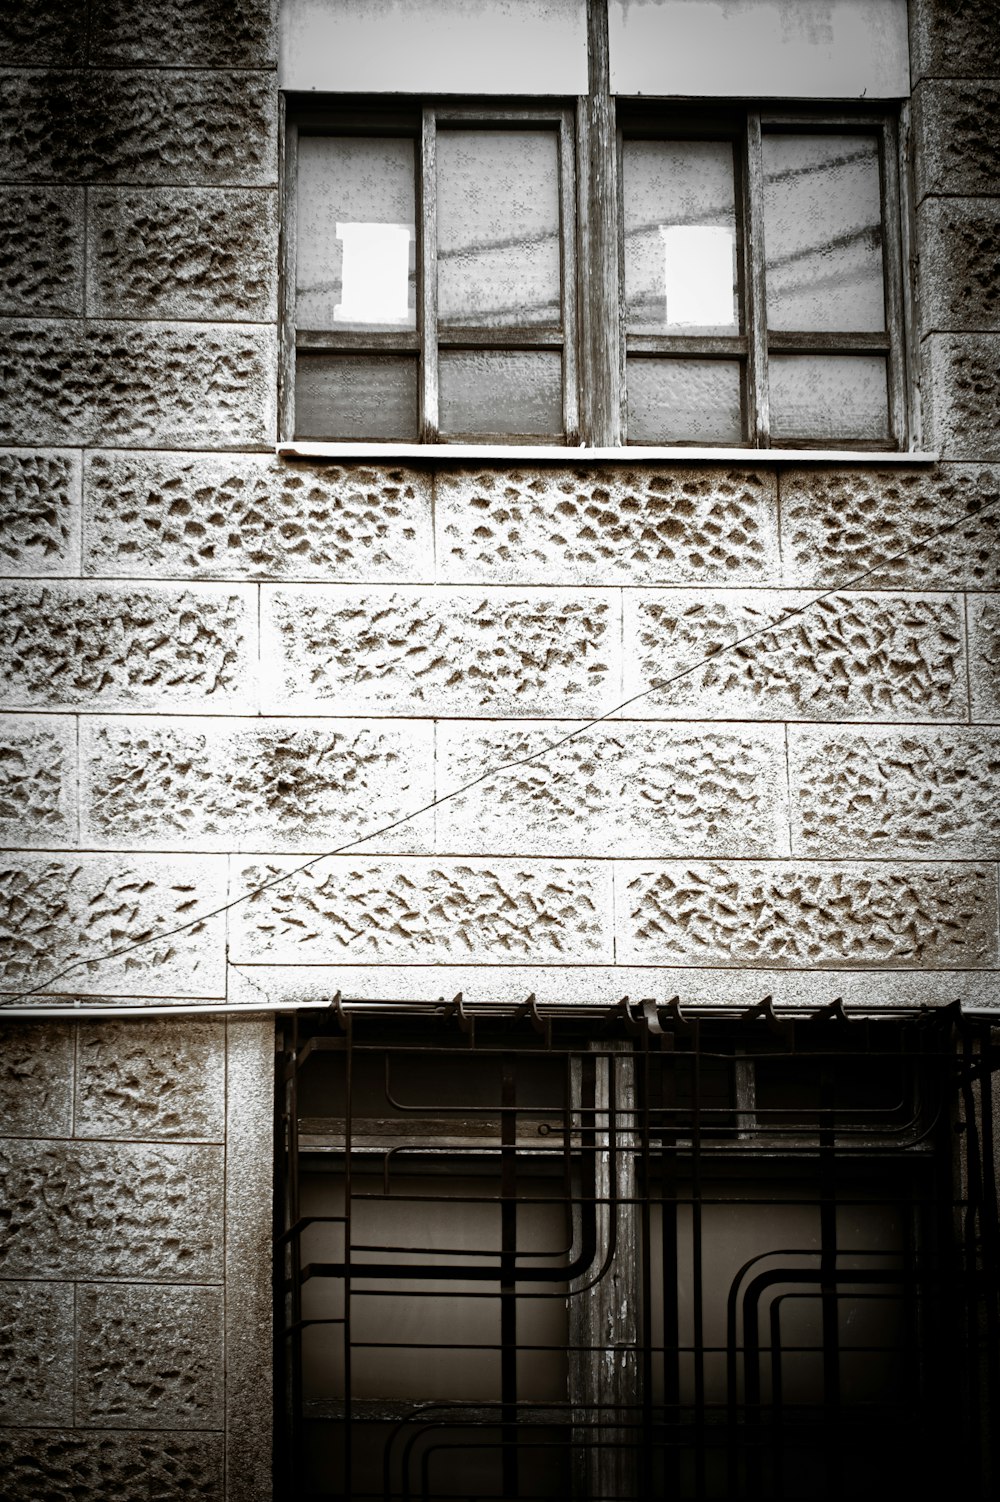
356	396
684	401
823	233
356	244
680	237
829	398
498	228
501	391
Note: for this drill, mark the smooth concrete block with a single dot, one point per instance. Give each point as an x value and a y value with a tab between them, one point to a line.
149	1357
195	33
36	1079
41	251
112	125
41	31
852	656
223	784
491	912
429	652
169	385
37	780
965	376
960	264
152	1079
905	524
896	792
795	913
619	789
56	910
161	647
252	516
65	1465
36	1353
39	511
559	525
183	253
954	39
112	1210
984	657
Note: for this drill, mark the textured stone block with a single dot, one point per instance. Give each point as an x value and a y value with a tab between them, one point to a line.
149	1357
36	1353
252	516
41	31
800	914
854	656
80	1466
491	912
36	1079
151	1079
955	137
838	524
111	1210
273	785
622	789
356	651
39	512
965	376
57	910
37	780
984	656
175	385
607	526
199	33
955	39
158	646
899	792
133	126
960	263
182	253
41	251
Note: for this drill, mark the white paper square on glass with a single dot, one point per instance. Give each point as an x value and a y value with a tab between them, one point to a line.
375	276
699	275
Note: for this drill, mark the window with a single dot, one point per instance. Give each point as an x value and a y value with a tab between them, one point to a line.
751	282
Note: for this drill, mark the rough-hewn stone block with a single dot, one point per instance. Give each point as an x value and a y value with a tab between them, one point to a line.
955	137
41	251
159	646
149	1357
36	1353
57	910
839	523
36	1079
607	526
954	39
177	385
622	789
154	126
252	516
960	263
182	253
82	1466
274	785
494	912
817	913
899	792
965	375
856	656
41	31
354	651
984	656
112	1210
39	512
199	33
37	780
151	1079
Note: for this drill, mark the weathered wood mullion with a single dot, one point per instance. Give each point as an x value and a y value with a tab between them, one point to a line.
758	409
427	209
891	250
288	159
602	348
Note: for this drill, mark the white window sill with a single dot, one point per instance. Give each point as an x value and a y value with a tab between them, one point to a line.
520	453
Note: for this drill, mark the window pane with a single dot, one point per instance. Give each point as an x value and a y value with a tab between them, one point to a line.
356	245
498	228
684	401
823	233
680	237
356	396
501	391
829	397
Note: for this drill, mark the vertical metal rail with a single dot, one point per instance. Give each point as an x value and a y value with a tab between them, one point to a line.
697	1279
645	1188
347	1023
508	1278
829	1301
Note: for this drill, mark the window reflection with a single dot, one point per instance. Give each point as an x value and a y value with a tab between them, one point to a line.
375	274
